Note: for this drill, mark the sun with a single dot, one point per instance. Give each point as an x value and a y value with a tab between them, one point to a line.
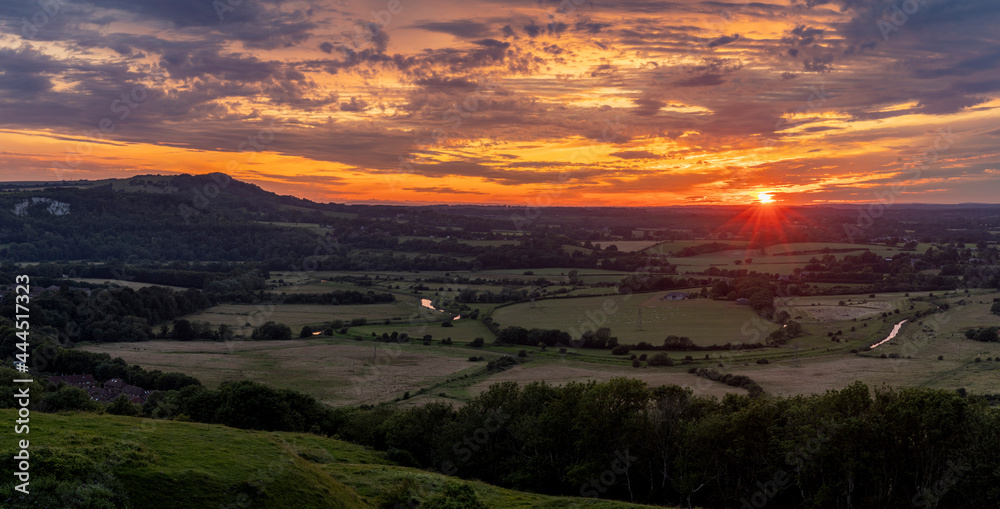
765	198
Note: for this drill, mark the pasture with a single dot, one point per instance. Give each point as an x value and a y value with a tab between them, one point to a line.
461	331
698	319
337	372
243	317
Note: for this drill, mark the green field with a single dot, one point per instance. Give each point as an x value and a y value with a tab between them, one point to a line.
461	332
127	284
698	319
161	464
243	317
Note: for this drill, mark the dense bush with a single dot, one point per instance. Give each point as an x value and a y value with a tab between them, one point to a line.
271	331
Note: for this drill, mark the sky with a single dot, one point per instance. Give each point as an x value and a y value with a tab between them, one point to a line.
537	102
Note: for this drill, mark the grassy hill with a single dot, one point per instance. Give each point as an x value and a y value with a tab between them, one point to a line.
104	461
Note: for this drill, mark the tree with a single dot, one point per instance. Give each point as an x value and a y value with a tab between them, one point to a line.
67	398
987	335
477	343
183	331
122	406
307	331
225	332
271	331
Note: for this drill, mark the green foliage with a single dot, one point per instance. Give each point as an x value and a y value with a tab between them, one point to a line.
661	359
455	496
122	406
67	398
271	331
104	367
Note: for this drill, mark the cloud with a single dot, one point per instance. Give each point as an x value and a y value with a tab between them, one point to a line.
721	41
635	154
461	28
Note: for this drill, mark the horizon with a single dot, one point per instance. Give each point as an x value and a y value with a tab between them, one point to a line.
522	205
602	104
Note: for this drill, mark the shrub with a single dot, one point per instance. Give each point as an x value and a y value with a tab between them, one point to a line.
762	361
636	363
522	353
477	343
620	350
661	359
273	331
455	496
67	398
122	406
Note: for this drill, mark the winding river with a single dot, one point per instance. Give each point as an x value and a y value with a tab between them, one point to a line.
895	330
427	304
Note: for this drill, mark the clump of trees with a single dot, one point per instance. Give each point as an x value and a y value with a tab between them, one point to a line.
984	334
271	331
675	448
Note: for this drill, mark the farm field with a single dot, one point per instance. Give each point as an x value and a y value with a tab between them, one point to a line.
135	285
667	248
243	317
919	345
337	372
562	372
462	331
344	371
631	246
697	319
828	308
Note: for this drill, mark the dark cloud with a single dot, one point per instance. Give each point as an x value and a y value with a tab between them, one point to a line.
704	80
635	154
441	190
462	28
354	105
721	41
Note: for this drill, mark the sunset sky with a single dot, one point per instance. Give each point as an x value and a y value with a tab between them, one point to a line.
629	102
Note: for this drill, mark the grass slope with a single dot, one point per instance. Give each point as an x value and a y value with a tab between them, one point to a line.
90	460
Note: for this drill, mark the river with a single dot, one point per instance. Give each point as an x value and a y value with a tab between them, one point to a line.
895	330
427	304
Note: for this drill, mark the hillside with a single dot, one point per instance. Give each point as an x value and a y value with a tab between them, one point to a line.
123	462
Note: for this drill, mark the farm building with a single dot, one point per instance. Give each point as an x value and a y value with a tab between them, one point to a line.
82	381
105	392
675	296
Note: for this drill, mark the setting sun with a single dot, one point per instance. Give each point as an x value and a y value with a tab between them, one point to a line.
765	197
